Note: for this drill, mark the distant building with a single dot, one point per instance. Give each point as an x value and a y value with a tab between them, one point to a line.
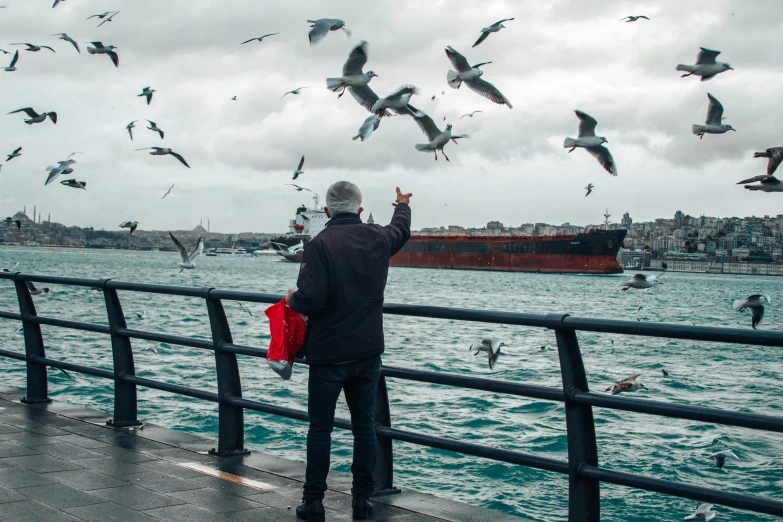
626	221
679	218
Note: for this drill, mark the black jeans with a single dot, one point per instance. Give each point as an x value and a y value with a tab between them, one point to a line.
359	379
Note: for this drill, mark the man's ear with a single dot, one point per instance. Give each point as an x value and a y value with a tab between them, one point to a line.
360	210
327	212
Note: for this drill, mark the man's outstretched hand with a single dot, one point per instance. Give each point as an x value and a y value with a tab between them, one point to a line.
402	198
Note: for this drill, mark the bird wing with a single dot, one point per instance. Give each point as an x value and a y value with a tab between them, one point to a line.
642	16
197	251
182	251
125	224
248	41
481	38
320	29
586	124
17	150
631	378
704	508
401	91
180	158
301	163
639	277
28	110
775	158
15	59
53	173
714	111
457	60
604	157
364	95
763	178
98	45
69	39
31	286
488	91
115	58
503	20
706	56
427	126
356	60
47	47
53	117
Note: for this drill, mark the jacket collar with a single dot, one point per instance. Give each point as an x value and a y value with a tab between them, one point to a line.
346	218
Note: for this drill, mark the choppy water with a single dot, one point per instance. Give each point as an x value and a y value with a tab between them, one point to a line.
740	378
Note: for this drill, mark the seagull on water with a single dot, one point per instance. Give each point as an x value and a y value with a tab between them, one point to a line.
767	183
775	155
12	66
470	115
494	28
67	38
632	18
34	290
109	18
142	315
492	346
352	71
63	167
74	184
323	26
34	48
168	191
589	189
437	139
664	372
129	224
298	188
105	49
161	151
129	127
470	75
397	102
628	384
756	304
14	154
147	92
706	66
703	512
714	124
188	259
591	143
154	128
368	127
721	456
259	38
35	117
294	92
299	170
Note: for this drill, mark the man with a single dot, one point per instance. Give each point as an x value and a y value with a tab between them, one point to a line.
340	289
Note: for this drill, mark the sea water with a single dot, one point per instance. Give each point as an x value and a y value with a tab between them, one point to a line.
733	377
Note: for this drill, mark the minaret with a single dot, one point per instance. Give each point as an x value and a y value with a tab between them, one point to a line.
370	220
33	213
49	217
607	215
208	224
24	210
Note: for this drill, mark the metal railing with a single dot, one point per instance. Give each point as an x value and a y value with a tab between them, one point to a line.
584	473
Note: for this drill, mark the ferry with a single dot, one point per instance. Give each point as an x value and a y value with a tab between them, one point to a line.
228	252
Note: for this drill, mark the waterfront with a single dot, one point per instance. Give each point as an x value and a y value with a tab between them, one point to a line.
732	377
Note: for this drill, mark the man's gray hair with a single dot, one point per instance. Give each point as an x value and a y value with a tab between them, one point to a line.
343	197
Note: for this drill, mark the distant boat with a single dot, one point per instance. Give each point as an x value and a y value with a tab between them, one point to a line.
228	252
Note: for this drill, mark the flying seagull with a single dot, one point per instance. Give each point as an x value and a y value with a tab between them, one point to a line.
470	115
129	127
12	66
721	456
4	51
321	28
35	117
366	97
10	221
494	28
57	2
234	98
74	184
756	304
470	75
589	189
34	290
34	48
14	154
775	155
63	167
591	143
714	124
767	183
368	127
245	309
109	18
397	102
298	188
154	128
437	139
67	38
160	151
9	269
703	512
168	191
628	384
299	170
492	346
706	66
641	282
260	38
629	19
295	91
107	49
188	260
129	224
147	92
100	16
352	71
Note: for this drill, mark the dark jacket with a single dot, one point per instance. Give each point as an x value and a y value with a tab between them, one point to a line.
341	283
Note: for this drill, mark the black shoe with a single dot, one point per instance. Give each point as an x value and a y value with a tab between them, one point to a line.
362	508
311	510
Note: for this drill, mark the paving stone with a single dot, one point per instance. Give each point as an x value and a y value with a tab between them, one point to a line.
109	511
32	511
9	495
19	478
9	449
43	429
125	455
170	468
135	497
268	514
82	441
42	463
66	451
59	496
7	428
27	438
110	466
225	486
86	479
187	513
276	500
160	482
214	500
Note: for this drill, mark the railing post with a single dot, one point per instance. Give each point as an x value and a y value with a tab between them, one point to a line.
231	419
125	397
384	456
584	501
37	382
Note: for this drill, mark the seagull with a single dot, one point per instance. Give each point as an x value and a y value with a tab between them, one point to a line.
63	167
100	16
160	151
366	97
295	91
706	66
775	155
469	115
129	224
34	290
368	127
397	101
628	384
67	38
153	349
756	304
12	66
299	170
591	143
470	75
714	124
703	512
188	260
721	456
74	184
9	269
34	48
768	183
168	191
664	372
260	38
494	28
154	128
4	51
437	139
142	315
298	188
641	282
352	71
322	26
492	346
589	189
146	91
35	117
245	309
108	19
14	154
129	127
10	221
233	99
57	2
108	49
629	19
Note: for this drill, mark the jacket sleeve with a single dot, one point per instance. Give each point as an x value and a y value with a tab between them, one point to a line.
313	282
399	230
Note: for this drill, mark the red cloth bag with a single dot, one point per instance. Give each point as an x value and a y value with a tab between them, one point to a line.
288	332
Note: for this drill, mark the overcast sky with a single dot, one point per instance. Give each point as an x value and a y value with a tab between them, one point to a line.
555	57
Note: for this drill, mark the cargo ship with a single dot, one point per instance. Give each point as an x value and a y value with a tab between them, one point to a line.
306	225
